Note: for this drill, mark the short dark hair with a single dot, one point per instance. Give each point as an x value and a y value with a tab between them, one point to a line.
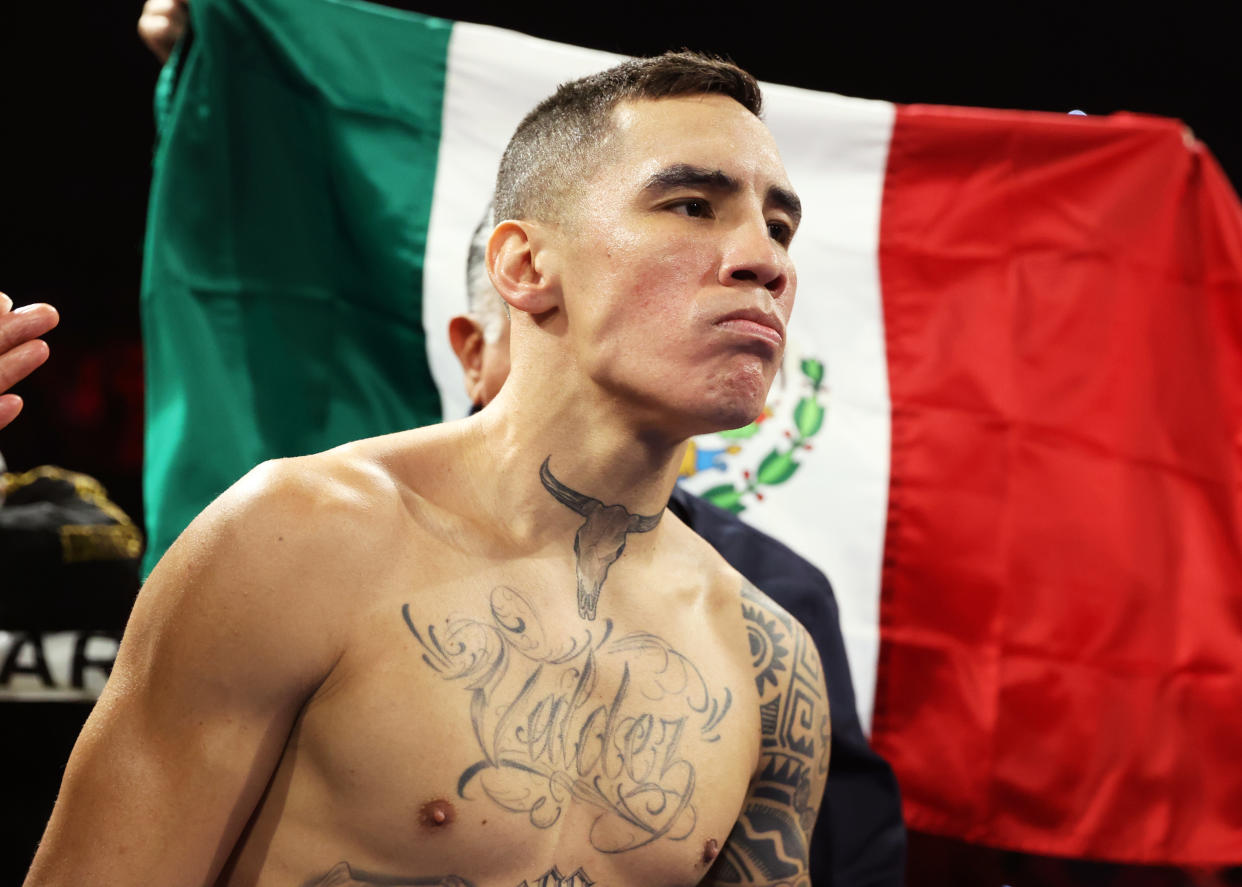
551	147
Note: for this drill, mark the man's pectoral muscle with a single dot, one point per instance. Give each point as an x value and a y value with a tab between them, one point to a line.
608	720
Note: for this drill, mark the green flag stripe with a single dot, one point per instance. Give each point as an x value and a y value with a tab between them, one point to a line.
288	223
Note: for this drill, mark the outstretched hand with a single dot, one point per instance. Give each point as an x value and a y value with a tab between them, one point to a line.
161	25
21	349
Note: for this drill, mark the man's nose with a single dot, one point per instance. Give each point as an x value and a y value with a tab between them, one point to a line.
753	256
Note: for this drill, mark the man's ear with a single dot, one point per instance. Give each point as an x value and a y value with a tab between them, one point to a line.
466	337
522	267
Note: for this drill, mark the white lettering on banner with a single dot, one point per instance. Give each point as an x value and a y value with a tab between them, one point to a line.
61	666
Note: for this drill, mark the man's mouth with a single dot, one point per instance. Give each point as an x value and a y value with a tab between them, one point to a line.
756	323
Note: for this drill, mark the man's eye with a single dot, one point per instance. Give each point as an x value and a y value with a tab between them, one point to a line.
780	232
695	209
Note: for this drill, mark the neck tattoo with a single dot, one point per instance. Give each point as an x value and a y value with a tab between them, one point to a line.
599	541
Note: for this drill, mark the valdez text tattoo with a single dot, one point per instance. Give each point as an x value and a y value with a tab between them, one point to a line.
599	541
545	737
769	845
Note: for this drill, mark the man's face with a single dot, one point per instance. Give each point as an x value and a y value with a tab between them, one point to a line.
676	274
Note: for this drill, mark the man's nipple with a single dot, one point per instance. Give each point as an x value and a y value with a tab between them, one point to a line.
436	814
710	850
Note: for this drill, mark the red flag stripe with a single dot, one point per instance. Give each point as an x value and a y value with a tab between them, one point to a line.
1061	614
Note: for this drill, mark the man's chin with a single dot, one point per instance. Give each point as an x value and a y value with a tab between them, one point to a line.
729	401
739	403
722	416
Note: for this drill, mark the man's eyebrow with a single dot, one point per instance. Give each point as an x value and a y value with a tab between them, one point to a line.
685	175
786	200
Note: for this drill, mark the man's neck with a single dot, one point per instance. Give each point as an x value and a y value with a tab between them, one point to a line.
569	469
588	445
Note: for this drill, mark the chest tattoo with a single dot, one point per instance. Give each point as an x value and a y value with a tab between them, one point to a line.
345	875
599	541
588	717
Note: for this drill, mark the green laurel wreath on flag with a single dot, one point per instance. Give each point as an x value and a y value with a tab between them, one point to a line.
779	465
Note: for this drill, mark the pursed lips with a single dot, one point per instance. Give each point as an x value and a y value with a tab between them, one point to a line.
757	323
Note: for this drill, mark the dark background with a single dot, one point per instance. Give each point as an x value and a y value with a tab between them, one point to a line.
75	147
76	85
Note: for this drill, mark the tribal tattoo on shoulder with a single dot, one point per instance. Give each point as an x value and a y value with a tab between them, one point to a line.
770	843
588	717
601	538
344	875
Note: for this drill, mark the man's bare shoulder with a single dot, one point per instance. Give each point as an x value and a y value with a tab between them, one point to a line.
691	555
771	628
758	599
296	543
781	644
291	516
770	842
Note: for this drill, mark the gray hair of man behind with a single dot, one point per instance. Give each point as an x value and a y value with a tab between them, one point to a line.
484	304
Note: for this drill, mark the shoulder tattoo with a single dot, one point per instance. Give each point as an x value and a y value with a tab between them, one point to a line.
770	844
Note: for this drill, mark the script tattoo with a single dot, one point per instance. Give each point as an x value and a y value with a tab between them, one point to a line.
546	737
770	843
343	875
599	541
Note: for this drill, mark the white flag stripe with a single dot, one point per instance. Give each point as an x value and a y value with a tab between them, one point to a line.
494	77
833	510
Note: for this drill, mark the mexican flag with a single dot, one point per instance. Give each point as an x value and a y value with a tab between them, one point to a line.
1008	428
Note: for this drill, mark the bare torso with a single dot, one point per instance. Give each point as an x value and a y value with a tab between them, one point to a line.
477	728
350	671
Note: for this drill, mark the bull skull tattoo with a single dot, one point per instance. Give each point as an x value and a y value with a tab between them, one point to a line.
600	540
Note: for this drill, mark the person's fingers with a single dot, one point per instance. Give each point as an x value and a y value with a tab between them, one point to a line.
161	25
20	362
160	8
154	33
5	303
26	323
10	406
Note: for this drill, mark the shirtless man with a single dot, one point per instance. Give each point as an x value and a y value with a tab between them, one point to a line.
859	835
480	653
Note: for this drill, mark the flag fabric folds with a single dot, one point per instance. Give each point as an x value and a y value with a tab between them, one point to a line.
1008	428
1061	611
285	236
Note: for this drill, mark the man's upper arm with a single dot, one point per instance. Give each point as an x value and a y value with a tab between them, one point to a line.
770	843
221	651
